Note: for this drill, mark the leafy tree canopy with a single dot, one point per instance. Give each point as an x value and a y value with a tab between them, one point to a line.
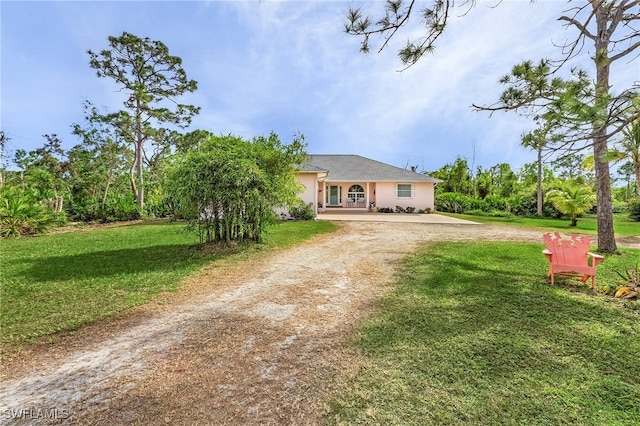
152	80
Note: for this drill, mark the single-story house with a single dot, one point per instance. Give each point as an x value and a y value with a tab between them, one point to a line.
353	182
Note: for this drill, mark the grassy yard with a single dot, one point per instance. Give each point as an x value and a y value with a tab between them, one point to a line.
474	334
61	282
622	225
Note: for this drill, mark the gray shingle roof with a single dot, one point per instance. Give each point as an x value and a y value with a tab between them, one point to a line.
353	168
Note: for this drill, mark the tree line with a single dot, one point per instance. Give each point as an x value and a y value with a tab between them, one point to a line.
139	162
134	147
565	186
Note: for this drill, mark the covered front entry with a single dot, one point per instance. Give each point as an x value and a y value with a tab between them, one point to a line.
348	195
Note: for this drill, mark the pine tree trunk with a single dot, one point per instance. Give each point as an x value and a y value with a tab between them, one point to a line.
140	157
132	179
606	238
539	185
139	176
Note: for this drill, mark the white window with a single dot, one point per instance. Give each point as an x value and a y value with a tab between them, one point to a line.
404	190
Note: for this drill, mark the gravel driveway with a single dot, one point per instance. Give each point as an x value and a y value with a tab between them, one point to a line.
251	343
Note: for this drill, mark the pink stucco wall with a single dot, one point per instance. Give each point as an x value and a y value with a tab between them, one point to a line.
309	193
382	193
423	197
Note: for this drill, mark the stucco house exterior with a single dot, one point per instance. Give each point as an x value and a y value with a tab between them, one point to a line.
353	182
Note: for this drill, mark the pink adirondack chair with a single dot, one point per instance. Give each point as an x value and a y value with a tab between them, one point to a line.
570	257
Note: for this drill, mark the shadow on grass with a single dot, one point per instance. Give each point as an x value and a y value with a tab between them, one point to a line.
476	327
116	262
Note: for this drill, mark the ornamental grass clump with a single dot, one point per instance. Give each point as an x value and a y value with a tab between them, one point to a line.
630	288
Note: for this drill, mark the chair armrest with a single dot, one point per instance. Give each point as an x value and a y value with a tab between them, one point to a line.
595	258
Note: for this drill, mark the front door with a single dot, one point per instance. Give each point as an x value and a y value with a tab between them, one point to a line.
334	196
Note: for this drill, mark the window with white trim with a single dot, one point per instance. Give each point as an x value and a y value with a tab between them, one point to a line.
404	190
355	196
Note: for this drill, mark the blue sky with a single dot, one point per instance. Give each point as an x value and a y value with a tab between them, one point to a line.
288	67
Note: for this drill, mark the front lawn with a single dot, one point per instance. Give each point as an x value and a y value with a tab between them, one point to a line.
61	282
475	334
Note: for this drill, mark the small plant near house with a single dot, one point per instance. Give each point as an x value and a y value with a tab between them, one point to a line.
410	209
303	212
385	210
400	209
630	288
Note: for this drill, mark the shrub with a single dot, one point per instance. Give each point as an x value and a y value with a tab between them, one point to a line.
634	209
302	212
21	214
410	209
450	202
453	202
121	207
385	210
619	206
400	209
526	204
496	202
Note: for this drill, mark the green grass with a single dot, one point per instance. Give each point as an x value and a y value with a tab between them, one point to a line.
475	334
622	225
61	282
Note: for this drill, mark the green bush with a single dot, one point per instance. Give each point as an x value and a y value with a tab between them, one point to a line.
619	206
496	202
453	202
634	209
302	212
120	207
21	214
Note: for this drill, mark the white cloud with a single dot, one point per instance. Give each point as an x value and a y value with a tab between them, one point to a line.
288	66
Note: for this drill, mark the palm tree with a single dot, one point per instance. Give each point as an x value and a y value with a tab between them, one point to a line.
572	200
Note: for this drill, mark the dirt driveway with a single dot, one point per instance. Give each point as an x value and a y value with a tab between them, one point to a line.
256	343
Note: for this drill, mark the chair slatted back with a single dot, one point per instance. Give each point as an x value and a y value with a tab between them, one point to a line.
572	251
